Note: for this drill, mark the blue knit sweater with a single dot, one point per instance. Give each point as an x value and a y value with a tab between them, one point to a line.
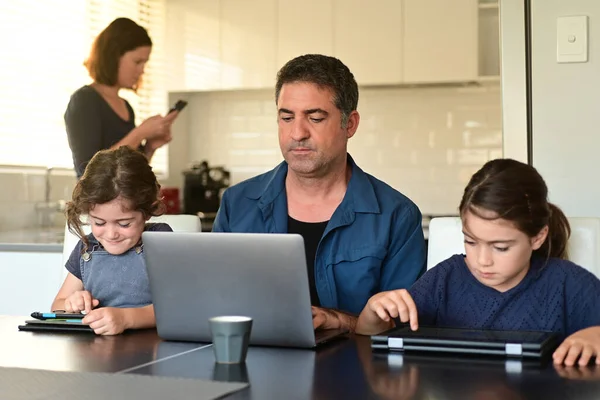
556	295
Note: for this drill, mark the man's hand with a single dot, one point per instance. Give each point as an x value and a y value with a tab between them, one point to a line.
325	318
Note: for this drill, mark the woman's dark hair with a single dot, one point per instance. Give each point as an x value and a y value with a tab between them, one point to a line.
516	192
325	72
123	173
121	36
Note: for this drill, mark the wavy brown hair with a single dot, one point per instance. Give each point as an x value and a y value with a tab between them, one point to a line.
516	192
121	173
119	37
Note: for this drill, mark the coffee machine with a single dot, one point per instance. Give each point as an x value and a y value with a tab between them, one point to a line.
203	187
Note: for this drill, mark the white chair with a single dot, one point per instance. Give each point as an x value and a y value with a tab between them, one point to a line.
179	223
446	239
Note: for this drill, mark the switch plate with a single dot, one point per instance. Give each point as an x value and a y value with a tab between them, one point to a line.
572	39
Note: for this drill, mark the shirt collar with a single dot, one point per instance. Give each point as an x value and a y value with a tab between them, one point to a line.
360	195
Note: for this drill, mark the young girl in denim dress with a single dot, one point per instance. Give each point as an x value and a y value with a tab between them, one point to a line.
514	276
107	277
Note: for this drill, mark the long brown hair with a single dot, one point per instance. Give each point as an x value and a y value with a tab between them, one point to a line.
123	173
119	37
516	192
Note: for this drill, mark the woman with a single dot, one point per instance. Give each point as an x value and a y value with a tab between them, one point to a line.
96	117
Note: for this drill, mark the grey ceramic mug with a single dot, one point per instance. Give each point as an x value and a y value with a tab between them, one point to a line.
230	335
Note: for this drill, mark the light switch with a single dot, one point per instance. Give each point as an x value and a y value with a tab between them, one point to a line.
572	39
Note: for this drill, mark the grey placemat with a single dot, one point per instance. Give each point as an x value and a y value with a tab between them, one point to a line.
21	383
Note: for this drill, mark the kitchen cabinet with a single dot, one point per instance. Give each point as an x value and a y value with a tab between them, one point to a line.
367	37
193	52
30	281
489	39
440	40
304	27
248	43
240	44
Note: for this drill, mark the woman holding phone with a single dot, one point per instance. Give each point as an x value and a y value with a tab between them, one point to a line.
97	118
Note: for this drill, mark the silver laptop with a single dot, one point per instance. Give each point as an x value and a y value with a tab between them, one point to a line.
196	276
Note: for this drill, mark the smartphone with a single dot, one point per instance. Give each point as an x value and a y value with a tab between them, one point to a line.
180	105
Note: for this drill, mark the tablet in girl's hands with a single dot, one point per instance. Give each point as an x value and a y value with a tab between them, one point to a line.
56	325
56	315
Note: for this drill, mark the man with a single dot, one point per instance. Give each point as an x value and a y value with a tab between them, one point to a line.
361	236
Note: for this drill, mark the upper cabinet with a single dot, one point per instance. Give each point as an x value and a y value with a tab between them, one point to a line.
304	27
193	47
489	39
248	42
440	40
367	37
241	44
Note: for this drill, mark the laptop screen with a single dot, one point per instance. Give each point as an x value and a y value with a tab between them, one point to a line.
471	335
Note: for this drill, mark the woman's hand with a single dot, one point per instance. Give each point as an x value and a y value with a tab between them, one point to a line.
153	144
158	126
107	320
382	308
80	301
582	345
157	141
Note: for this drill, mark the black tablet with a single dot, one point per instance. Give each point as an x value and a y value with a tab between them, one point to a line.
467	341
54	325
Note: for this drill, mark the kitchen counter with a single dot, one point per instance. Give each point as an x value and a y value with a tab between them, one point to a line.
33	240
31	269
51	239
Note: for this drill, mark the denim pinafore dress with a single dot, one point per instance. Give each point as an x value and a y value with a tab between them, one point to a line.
116	280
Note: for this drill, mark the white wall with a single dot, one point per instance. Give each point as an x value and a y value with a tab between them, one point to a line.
425	142
566	110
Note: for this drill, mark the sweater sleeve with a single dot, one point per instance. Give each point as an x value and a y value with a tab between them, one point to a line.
426	293
583	299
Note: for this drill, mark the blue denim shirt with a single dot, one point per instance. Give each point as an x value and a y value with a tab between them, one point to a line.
373	241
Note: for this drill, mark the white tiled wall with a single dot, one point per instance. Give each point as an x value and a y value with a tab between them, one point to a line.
425	142
23	190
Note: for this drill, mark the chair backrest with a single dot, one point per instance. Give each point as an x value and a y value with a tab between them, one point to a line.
178	222
446	239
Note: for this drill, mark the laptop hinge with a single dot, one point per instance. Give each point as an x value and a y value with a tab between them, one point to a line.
396	343
514	349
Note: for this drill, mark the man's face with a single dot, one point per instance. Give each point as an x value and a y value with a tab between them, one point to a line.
311	136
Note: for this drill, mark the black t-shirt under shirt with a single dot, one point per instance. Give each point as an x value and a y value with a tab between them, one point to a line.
312	233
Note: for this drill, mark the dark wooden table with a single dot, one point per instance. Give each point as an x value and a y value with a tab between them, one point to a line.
344	369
